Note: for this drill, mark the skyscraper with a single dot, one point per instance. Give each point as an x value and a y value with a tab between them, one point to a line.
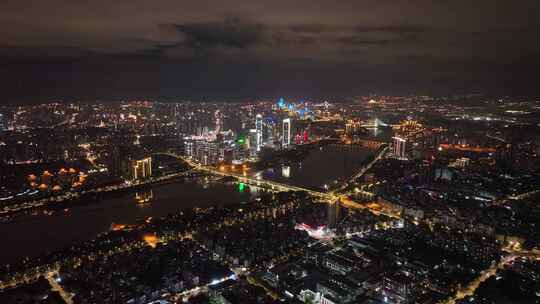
258	128
286	132
400	147
281	103
253	140
141	169
3	123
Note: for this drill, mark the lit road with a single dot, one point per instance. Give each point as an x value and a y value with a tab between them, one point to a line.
498	138
270	184
515	252
49	270
362	171
330	197
524	195
470	289
66	296
516	249
349	203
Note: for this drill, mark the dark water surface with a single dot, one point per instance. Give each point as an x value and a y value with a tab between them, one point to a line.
321	167
34	235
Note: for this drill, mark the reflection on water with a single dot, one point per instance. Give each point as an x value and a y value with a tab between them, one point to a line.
286	171
325	166
40	233
144	197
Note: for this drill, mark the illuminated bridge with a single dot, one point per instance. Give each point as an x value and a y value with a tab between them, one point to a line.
263	183
362	171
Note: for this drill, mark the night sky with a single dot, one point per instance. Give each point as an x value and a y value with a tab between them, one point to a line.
201	50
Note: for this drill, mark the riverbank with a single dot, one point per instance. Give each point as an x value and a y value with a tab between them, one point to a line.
63	228
70	198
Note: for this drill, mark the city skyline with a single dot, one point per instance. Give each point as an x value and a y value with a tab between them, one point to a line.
378	199
269	152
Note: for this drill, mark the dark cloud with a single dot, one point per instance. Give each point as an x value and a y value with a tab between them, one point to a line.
239	37
8	51
365	38
395	29
354	40
232	33
315	28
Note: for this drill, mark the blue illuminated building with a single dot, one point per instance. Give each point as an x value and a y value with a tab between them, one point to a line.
281	103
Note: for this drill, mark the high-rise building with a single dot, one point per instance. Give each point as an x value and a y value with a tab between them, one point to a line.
3	123
205	152
286	133
334	214
400	147
281	103
270	132
188	148
141	169
259	129
253	140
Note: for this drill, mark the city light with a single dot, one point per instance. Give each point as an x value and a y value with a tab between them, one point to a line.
151	240
284	199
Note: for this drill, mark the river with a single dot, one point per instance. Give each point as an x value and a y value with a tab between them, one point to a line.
322	166
33	235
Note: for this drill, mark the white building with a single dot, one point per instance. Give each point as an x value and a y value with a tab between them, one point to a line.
399	147
259	129
286	141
